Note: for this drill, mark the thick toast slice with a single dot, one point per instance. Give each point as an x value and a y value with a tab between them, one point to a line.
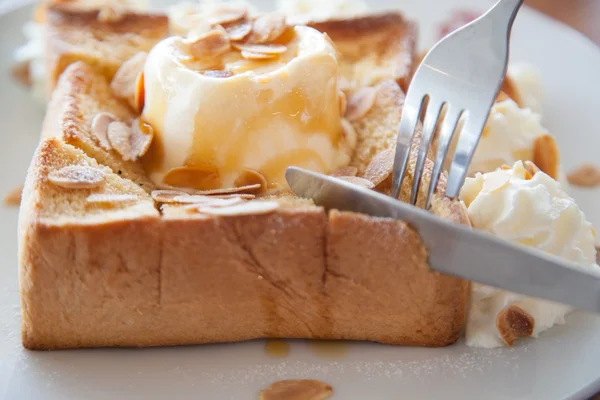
93	277
102	37
374	47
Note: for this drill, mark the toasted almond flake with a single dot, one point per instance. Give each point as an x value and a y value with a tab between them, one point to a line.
495	181
357	181
166	196
227	13
255	207
77	177
131	142
302	389
210	44
262	48
110	198
251	177
13	197
505	167
585	176
239	31
343	103
243	196
360	103
139	99
208	201
345	171
267	28
545	155
257	56
234	190
502	96
218	74
381	167
513	322
349	133
531	167
99	128
187	179
125	82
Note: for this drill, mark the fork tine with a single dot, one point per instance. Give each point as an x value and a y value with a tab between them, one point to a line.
467	142
432	115
408	124
447	132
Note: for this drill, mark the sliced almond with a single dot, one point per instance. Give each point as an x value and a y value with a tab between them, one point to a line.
301	389
343	102
360	103
139	99
110	198
262	48
531	169
545	155
239	31
227	13
585	176
255	207
513	322
218	74
77	177
355	180
131	142
248	55
125	82
166	196
251	177
201	178
208	201
345	171
99	128
243	196
234	190
495	181
381	167
210	44
13	197
349	133
267	28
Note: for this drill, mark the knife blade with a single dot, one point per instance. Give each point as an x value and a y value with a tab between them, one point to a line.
459	250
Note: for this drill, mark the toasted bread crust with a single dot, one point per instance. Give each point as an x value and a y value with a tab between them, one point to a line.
137	277
75	34
374	48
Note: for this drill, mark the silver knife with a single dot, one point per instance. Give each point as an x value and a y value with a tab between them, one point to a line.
459	250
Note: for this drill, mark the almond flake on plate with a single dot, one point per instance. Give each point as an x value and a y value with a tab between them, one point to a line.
13	197
131	142
357	181
585	176
381	167
77	177
513	322
345	171
274	49
255	207
268	27
239	31
110	198
210	44
125	82
360	103
99	128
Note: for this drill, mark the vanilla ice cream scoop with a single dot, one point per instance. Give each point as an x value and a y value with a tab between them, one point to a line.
217	117
527	207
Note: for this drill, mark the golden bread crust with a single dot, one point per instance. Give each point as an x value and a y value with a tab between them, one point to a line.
374	47
75	34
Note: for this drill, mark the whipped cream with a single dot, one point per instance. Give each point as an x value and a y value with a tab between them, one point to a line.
321	9
533	211
267	116
508	136
528	82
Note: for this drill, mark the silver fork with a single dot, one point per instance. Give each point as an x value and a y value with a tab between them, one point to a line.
462	73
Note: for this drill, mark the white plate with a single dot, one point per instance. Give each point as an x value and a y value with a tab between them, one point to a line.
564	363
